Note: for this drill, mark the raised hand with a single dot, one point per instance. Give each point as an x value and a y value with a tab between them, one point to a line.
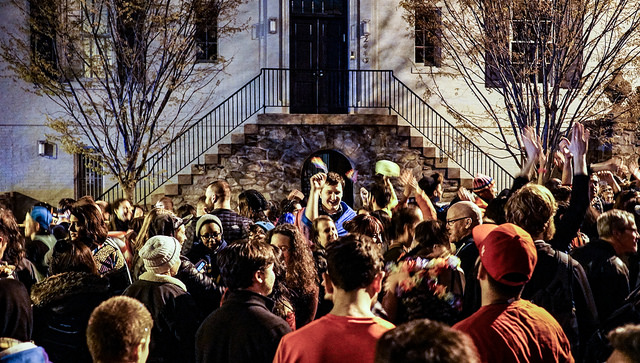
532	143
579	140
317	181
408	181
465	195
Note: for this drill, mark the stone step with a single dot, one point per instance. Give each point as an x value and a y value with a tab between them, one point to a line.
171	189
249	136
442	162
211	158
185	179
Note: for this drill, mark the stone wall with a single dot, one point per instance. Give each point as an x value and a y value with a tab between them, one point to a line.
272	157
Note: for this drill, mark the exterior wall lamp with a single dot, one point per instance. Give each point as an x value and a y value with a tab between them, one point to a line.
46	149
273	25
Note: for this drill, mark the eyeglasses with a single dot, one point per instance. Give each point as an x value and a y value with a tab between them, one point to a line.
213	235
452	221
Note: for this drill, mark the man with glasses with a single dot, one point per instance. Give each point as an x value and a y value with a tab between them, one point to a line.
602	260
461	218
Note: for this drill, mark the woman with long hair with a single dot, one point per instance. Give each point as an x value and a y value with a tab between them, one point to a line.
145	232
13	261
428	282
301	277
63	302
88	227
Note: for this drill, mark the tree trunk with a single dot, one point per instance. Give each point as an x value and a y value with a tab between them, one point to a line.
128	188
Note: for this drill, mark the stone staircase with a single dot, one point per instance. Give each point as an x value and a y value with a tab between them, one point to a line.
268	155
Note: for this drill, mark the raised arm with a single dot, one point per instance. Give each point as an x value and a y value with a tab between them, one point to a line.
317	183
533	146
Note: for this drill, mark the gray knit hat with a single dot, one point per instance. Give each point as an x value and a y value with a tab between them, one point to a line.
159	253
206	219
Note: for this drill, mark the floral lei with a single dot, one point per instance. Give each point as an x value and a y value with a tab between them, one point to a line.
412	272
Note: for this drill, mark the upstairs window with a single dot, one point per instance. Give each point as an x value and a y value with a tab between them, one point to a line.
43	36
428	35
206	37
531	45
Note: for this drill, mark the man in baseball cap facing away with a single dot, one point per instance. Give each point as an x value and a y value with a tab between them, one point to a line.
508	328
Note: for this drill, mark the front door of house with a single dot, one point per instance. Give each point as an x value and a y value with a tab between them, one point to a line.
318	56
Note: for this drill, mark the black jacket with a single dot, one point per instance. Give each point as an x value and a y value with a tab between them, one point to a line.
175	317
243	329
467	252
206	292
586	313
607	274
62	305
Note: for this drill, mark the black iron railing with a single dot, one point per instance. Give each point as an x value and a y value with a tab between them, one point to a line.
368	89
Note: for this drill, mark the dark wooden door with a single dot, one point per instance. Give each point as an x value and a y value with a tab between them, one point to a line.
319	77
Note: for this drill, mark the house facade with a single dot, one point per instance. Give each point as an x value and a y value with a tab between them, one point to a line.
310	57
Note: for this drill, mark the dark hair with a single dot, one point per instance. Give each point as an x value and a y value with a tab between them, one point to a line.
186	210
116	204
116	328
289	205
239	262
70	256
14	252
365	224
353	261
95	230
430	183
65	204
623	197
429	234
301	270
252	205
407	216
425	341
380	191
334	179
280	293
385	219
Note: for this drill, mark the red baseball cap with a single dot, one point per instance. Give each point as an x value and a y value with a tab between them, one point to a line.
507	252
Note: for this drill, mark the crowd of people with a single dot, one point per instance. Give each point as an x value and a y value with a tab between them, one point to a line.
536	273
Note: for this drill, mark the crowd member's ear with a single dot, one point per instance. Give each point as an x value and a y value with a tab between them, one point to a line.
259	277
376	285
328	284
482	272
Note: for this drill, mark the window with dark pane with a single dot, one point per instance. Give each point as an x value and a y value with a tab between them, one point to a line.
428	33
531	43
206	37
43	36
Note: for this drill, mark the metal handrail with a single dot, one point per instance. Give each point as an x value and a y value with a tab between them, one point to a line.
369	89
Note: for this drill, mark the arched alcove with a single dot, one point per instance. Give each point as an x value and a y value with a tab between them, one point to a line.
337	162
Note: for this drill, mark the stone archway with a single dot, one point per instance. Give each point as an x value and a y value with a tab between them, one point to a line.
337	162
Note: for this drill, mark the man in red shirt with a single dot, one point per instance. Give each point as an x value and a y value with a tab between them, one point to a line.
507	328
349	333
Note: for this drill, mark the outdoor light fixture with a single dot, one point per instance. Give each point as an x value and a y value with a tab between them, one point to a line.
46	149
364	28
273	25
